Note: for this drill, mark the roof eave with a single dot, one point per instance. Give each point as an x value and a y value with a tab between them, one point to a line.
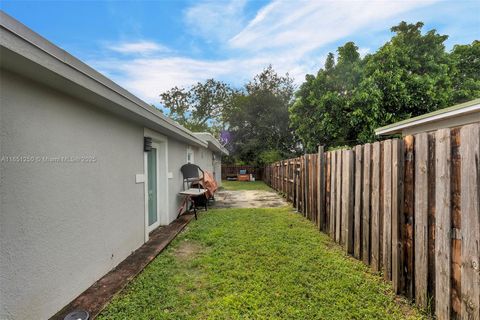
25	43
398	127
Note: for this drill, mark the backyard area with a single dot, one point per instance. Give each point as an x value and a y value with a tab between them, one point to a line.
256	263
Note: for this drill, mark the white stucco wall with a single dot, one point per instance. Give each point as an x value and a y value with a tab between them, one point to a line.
63	225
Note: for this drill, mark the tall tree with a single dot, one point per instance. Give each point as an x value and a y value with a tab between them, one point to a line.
258	118
411	74
406	77
320	114
200	107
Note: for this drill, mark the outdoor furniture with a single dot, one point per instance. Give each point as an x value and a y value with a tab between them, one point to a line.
198	187
191	174
192	195
243	177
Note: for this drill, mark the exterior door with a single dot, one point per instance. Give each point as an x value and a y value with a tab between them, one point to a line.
152	189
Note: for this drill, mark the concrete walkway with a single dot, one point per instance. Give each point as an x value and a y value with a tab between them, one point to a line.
248	199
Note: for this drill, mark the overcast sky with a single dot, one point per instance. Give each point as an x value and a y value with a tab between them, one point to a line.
151	46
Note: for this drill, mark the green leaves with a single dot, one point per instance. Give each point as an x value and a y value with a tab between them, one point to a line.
259	119
202	107
410	75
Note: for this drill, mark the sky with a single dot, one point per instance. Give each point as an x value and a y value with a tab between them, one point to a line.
149	47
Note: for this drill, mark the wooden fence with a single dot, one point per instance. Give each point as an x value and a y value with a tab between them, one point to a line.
407	207
234	170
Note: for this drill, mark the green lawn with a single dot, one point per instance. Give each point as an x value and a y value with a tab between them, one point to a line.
256	264
245	185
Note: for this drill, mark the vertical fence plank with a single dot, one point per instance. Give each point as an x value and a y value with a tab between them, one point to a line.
321	188
366	203
387	209
456	242
421	218
333	194
311	181
397	214
442	224
328	169
358	202
408	214
470	220
302	181
380	208
305	186
431	223
347	199
375	216
343	169
338	200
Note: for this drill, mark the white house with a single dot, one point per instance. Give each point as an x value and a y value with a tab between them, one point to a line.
74	177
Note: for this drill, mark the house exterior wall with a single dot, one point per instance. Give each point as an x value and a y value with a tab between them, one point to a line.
63	225
177	157
218	169
203	158
66	223
444	123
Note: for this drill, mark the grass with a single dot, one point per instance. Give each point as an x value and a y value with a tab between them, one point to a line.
245	185
256	264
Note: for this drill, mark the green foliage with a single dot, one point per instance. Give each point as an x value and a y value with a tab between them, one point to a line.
256	264
259	120
269	156
466	71
201	107
410	75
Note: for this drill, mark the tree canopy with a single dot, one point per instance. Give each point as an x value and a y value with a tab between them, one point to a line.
409	75
259	119
201	107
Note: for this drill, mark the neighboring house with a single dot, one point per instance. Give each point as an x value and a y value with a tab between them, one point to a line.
76	188
455	116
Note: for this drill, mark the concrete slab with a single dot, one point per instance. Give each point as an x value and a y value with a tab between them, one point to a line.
248	199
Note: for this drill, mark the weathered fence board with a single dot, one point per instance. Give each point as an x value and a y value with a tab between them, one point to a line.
375	208
470	286
397	215
338	204
328	191
442	224
421	218
358	202
408	215
347	199
431	222
333	197
387	209
366	203
456	225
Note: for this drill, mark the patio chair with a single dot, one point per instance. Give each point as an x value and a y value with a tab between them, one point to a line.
194	178
191	175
